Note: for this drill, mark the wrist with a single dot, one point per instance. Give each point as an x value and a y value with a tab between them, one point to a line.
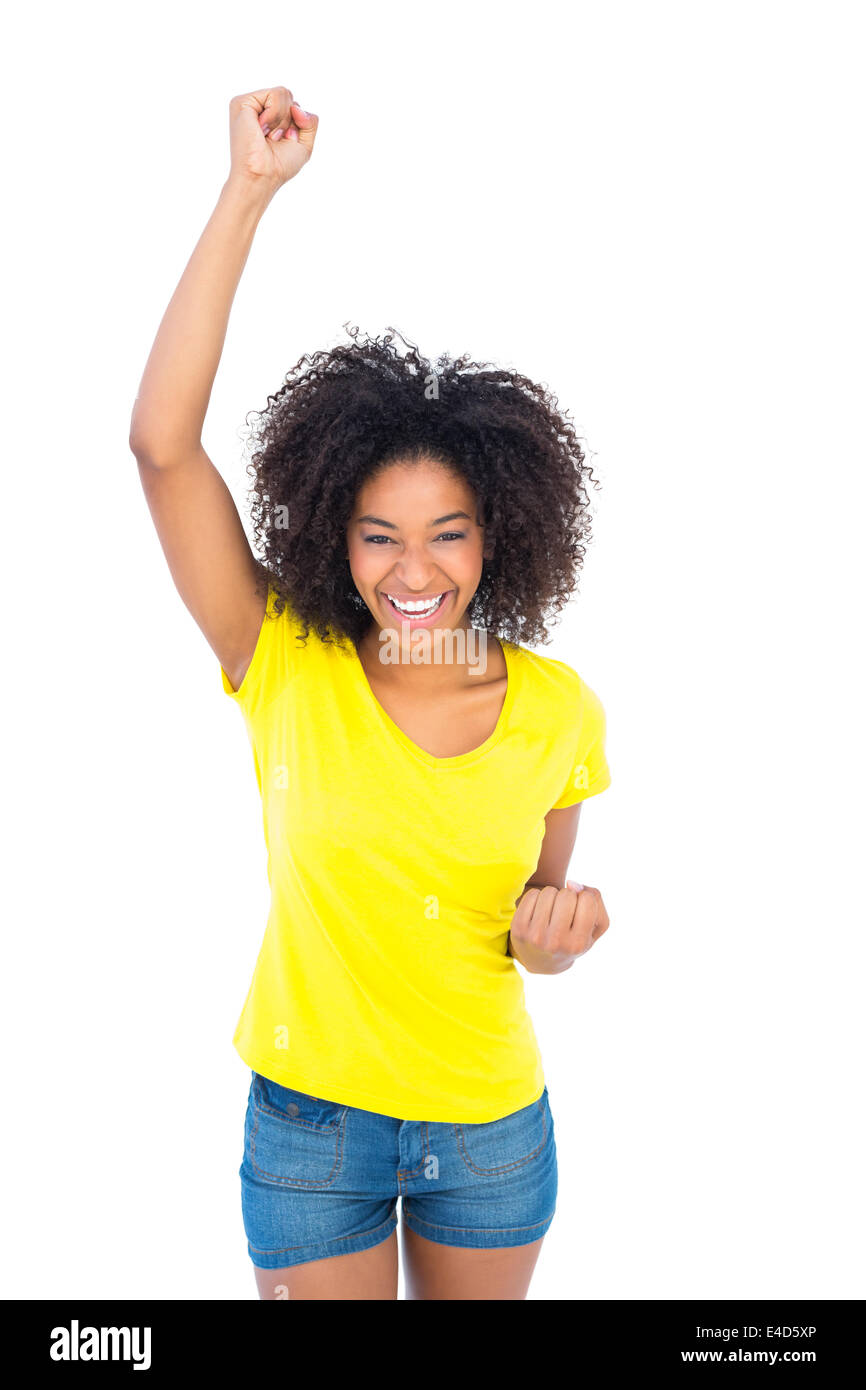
247	193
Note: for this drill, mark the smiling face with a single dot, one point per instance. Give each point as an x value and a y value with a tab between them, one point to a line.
414	538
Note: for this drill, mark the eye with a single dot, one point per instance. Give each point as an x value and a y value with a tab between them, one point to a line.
445	536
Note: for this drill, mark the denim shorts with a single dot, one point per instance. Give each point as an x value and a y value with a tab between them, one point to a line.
319	1178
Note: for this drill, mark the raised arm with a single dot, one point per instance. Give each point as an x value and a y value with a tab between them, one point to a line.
213	567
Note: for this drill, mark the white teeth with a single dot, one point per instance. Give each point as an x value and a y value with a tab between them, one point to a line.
421	610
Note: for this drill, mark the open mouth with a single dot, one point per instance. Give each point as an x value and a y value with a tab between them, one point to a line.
416	611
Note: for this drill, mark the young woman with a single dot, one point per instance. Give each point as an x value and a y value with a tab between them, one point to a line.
421	777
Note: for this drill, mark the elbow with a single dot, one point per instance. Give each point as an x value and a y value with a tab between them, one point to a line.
141	442
144	454
144	440
152	452
135	446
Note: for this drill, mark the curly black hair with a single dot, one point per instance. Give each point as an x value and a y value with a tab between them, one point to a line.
343	415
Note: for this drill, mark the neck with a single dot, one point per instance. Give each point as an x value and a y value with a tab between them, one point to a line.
442	657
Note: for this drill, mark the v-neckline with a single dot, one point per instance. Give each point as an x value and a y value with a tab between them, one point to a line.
457	759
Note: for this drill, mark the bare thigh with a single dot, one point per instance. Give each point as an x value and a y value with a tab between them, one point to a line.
367	1274
434	1271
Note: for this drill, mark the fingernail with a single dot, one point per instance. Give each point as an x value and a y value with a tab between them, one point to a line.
300	108
278	135
265	129
578	887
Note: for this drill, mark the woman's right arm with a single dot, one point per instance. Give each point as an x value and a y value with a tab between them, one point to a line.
199	528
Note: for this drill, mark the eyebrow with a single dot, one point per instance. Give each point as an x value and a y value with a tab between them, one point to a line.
378	521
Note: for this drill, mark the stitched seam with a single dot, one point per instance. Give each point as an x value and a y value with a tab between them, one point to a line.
422	1162
333	1240
485	1230
297	1182
505	1167
260	1104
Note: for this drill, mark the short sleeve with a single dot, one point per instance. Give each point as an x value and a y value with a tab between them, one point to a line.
273	661
589	772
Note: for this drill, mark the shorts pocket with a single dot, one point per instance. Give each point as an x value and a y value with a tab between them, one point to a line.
294	1139
500	1146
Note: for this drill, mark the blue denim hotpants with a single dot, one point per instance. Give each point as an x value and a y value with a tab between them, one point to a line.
319	1178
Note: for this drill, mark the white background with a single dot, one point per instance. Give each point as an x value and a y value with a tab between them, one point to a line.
655	209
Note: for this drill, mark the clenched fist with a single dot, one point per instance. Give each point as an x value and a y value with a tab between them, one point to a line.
552	926
271	136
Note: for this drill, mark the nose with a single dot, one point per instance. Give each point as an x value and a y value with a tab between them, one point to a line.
415	573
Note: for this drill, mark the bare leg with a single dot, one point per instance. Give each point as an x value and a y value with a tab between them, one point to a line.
435	1271
367	1274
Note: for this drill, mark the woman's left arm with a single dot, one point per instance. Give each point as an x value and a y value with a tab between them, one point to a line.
553	924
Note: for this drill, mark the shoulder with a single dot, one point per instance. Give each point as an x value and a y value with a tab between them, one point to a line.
557	691
548	676
285	623
286	646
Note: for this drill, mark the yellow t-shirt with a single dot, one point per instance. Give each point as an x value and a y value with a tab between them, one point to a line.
383	980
